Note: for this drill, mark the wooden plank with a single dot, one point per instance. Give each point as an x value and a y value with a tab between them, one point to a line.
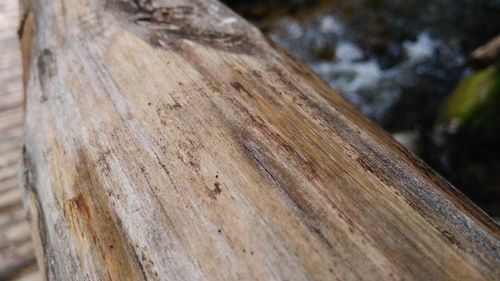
170	140
17	256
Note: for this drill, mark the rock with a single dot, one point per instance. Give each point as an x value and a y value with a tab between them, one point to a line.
489	51
409	139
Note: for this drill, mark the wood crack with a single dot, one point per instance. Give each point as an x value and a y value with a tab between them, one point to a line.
162	25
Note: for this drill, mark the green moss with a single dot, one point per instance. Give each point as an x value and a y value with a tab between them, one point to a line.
471	93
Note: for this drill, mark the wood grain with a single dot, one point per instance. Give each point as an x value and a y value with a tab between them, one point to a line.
170	140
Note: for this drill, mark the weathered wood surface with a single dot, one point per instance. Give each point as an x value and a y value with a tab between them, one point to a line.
169	140
17	256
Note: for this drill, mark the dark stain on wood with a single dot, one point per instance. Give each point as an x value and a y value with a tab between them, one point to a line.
46	64
47	68
217	189
22	23
239	88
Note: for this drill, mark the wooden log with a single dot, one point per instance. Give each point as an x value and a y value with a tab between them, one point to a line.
170	140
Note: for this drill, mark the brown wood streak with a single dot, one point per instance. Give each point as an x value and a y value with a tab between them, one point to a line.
90	221
170	140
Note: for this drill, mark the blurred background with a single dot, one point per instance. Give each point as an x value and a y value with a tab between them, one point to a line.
425	70
17	254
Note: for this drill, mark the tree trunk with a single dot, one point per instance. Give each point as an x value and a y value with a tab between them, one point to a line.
170	140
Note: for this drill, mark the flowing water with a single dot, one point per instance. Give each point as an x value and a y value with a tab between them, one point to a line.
398	61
